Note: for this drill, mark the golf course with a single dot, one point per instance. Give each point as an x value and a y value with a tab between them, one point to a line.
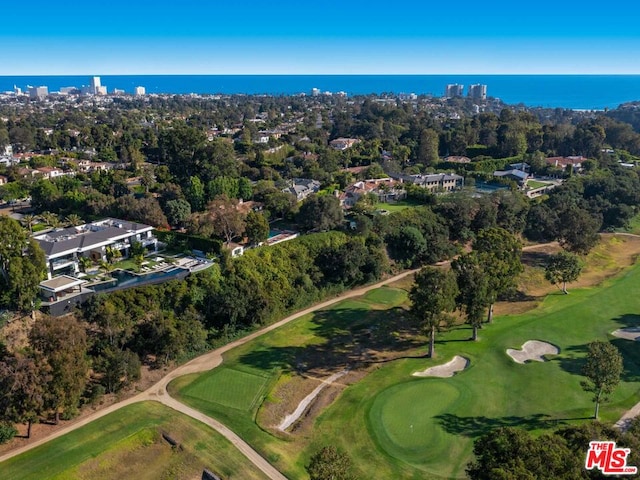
394	425
391	424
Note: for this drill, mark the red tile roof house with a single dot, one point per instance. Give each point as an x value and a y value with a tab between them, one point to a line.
386	189
562	162
50	172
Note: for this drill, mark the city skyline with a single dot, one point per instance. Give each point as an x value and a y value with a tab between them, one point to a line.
328	38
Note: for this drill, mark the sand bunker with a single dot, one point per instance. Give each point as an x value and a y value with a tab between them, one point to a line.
631	333
532	350
306	401
449	369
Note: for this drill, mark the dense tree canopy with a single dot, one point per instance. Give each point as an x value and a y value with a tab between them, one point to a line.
22	266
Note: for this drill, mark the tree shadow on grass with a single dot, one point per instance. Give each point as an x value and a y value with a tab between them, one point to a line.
572	359
476	426
535	259
347	337
630	349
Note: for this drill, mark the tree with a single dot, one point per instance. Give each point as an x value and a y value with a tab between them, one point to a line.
118	368
195	194
22	266
73	220
330	464
603	370
473	287
407	245
29	221
320	212
578	230
226	220
177	211
112	254
22	392
428	147
62	344
51	219
562	268
498	253
257	229
85	263
433	296
510	453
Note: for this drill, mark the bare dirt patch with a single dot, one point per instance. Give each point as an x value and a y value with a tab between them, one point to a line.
293	417
449	369
631	333
533	350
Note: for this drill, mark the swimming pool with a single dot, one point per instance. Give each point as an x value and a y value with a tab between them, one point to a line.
124	279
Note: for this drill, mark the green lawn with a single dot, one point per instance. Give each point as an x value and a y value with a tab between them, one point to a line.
128	444
535	184
397	426
397	206
229	387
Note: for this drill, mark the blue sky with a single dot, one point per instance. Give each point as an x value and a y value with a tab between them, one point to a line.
328	37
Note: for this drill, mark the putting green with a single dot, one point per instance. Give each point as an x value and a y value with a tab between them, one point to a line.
386	296
404	425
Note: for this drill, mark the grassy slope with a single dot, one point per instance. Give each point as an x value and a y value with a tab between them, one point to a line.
126	444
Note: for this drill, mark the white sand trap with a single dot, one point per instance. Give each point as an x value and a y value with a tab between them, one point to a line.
532	350
631	333
449	369
306	401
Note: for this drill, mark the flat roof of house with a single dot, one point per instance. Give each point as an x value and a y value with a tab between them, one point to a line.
85	237
58	284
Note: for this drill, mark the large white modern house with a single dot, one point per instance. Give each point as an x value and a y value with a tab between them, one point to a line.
63	248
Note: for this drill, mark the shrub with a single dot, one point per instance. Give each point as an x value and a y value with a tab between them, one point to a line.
7	432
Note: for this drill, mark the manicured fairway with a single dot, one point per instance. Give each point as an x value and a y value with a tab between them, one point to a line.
127	444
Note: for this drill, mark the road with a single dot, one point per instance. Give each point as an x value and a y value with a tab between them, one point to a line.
208	361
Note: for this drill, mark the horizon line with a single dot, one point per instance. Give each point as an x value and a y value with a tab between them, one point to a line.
309	74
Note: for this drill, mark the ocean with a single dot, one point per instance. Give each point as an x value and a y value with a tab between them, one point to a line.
589	92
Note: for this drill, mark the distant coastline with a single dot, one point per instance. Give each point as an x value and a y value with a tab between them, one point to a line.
584	92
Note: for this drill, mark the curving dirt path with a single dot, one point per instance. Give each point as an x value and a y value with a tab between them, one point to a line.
203	363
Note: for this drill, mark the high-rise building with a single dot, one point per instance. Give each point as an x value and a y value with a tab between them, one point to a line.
454	90
138	91
38	92
477	92
95	85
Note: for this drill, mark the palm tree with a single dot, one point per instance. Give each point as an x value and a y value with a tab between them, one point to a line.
73	220
29	221
106	266
51	219
113	254
85	263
